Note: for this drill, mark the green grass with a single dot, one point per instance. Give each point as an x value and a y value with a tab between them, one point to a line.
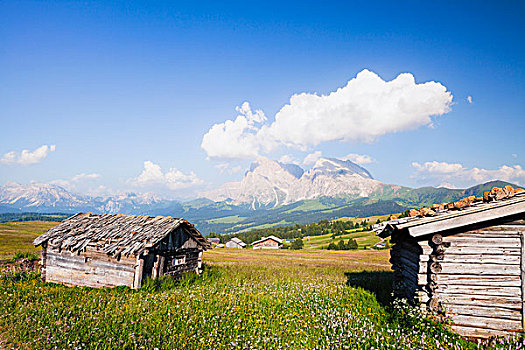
263	226
265	300
308	205
321	242
17	237
227	220
246	299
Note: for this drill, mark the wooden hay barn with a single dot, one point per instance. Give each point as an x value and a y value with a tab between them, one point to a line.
270	242
466	262
119	250
235	243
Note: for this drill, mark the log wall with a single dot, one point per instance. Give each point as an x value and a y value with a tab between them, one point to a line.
475	278
89	268
192	263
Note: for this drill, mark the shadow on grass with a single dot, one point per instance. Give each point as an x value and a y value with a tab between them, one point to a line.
377	282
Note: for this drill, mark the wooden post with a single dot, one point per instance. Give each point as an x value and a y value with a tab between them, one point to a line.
43	262
155	271
522	240
199	263
162	261
139	267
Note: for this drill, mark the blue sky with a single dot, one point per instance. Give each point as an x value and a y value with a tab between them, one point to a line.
112	85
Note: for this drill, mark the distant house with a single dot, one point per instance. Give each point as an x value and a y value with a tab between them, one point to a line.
464	260
271	242
213	240
235	243
289	240
380	245
119	250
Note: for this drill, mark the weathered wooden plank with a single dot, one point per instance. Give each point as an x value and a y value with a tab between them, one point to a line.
486	250
82	264
503	242
95	256
477	280
487	323
475	332
481	259
479	269
85	269
477	290
489	234
483	311
61	275
481	300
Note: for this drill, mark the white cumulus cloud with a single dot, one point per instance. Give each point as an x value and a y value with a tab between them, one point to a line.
469	99
438	167
458	175
312	157
367	107
173	179
27	157
82	177
235	139
359	158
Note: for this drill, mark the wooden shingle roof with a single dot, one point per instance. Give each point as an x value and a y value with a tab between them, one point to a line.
452	219
115	233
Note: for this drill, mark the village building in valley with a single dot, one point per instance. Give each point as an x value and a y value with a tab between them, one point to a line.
119	250
465	260
213	241
235	243
270	242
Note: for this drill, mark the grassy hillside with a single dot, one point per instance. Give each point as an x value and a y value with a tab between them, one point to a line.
320	234
19	236
364	239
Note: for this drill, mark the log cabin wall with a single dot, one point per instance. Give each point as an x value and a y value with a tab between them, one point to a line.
409	259
474	276
177	265
175	256
89	268
477	279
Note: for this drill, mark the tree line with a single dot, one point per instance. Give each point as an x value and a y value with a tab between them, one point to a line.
323	227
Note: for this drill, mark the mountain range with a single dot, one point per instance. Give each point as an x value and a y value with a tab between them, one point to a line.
270	193
271	183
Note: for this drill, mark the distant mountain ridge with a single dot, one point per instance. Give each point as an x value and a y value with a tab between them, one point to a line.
270	184
42	197
332	190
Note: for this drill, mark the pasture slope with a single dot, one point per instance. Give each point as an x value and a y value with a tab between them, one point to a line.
245	299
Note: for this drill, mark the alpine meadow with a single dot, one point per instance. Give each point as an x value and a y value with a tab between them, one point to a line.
270	175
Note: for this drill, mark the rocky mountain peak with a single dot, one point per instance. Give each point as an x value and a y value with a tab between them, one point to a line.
336	167
273	183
